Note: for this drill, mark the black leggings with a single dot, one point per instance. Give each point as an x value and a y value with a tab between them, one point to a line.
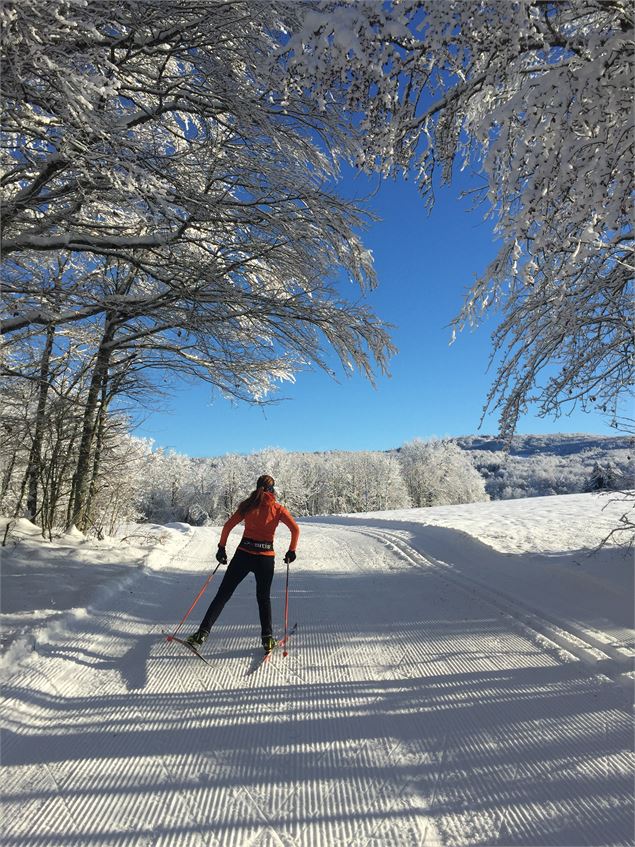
241	564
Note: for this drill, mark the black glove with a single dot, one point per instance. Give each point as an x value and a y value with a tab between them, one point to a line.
221	555
289	557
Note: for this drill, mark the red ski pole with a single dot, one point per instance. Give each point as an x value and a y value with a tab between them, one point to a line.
285	652
196	599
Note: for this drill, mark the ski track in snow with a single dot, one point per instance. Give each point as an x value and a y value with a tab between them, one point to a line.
416	707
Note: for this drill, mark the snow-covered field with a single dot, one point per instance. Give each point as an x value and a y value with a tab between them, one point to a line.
460	676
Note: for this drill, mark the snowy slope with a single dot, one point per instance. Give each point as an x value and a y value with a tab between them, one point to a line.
44	585
422	703
563	444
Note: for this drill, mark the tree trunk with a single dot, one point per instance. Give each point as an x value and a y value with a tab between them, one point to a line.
8	473
35	456
81	480
99	442
60	467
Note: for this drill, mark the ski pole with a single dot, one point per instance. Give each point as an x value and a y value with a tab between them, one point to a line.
197	598
285	652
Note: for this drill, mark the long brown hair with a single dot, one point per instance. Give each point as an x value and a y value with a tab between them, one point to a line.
264	483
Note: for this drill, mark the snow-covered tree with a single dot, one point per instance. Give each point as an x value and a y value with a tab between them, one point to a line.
538	466
308	494
116	481
153	134
165	486
366	481
234	483
163	204
439	473
159	192
606	477
536	97
41	425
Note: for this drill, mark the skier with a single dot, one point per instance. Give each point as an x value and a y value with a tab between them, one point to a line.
261	513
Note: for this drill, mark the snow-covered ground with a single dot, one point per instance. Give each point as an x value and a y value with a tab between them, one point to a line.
460	676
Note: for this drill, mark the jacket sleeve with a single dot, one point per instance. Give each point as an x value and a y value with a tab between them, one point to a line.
287	520
235	519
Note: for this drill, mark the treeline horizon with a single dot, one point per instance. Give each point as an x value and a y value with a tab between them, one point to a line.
136	482
417	474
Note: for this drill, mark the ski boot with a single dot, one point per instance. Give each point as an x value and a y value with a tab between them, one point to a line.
269	643
198	638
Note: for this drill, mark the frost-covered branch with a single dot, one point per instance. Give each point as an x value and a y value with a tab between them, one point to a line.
538	98
155	137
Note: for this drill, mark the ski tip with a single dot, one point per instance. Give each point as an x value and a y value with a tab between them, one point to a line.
170	638
286	653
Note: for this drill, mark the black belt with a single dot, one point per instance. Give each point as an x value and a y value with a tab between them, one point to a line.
256	546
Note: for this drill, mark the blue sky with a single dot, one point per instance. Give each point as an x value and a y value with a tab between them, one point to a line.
425	263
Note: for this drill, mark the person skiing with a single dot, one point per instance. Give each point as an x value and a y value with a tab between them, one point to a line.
255	554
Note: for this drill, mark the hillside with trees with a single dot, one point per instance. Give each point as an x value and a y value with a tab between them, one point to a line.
136	482
421	473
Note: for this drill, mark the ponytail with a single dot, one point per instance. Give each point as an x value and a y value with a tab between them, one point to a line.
264	483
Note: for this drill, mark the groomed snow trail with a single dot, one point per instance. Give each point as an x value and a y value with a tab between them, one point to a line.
410	711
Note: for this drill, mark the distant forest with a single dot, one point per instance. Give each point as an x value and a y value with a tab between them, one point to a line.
540	465
136	482
417	474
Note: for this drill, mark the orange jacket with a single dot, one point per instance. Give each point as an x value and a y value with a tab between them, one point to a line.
261	524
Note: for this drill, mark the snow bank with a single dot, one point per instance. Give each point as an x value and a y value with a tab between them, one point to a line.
544	525
160	543
47	585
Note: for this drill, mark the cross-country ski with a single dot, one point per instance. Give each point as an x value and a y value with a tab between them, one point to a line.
190	647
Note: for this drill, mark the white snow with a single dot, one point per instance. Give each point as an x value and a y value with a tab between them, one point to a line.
45	584
543	525
460	676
